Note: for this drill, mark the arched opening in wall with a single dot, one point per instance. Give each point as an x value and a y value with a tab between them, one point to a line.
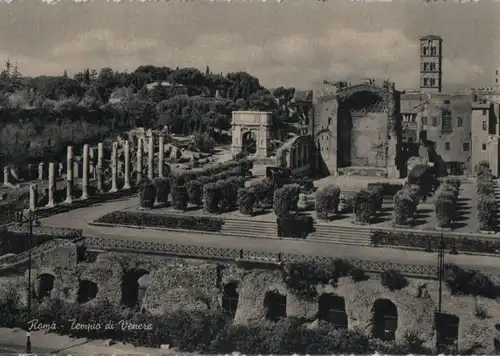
45	285
230	299
87	290
275	305
331	308
249	142
130	287
447	326
385	315
355	128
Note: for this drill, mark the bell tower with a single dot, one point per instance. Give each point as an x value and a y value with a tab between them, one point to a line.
431	64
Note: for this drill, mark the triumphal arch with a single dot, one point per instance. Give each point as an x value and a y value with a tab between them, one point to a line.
251	133
355	128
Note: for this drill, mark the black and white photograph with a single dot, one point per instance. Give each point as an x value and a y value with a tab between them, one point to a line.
296	177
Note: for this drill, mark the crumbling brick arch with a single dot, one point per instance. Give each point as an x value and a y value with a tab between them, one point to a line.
385	319
87	291
275	305
230	298
331	308
130	287
45	285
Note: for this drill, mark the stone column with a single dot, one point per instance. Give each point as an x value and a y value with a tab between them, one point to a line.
114	167
61	169
139	160
6	173
69	176
151	155
40	171
76	170
52	184
33	196
126	156
85	172
100	154
161	156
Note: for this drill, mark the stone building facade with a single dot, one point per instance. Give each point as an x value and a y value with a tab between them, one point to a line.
355	128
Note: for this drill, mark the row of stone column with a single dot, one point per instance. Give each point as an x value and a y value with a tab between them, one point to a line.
70	176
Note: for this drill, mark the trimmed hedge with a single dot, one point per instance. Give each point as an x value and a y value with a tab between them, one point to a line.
364	205
180	197
146	219
294	225
211	198
285	200
147	194
487	212
403	208
465	244
327	201
162	186
246	201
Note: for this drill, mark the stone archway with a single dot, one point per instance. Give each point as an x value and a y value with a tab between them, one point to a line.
275	304
385	319
130	287
87	290
45	285
258	123
249	142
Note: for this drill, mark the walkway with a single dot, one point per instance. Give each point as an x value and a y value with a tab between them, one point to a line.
80	218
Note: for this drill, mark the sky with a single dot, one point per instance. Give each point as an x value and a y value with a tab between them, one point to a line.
292	43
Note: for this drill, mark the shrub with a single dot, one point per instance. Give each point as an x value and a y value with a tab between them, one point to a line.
162	187
482	167
302	277
403	208
147	194
195	192
445	211
211	198
485	187
264	192
180	197
364	206
487	212
327	201
246	201
138	218
295	225
377	192
393	280
454	182
285	200
469	282
357	274
227	198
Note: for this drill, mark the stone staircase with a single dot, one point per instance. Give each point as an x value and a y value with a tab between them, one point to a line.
341	235
247	228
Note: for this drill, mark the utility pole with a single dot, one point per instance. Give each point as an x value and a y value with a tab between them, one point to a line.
441	249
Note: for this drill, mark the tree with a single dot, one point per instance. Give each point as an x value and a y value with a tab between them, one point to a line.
327	201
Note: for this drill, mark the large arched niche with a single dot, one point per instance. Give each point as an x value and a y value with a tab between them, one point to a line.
131	296
363	126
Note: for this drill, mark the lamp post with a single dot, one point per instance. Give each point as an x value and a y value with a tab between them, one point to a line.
23	216
441	249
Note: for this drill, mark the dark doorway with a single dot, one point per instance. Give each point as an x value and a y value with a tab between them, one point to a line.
230	299
344	133
332	309
249	142
385	315
447	324
130	287
87	291
275	305
45	285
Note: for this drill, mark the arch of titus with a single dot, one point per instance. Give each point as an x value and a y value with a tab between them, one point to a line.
255	124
